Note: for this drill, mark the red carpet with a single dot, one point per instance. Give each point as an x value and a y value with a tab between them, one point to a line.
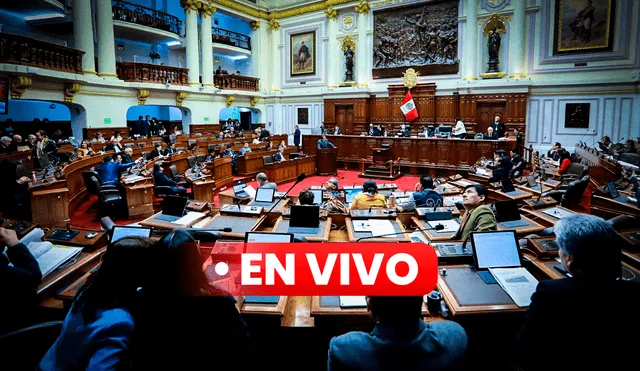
82	218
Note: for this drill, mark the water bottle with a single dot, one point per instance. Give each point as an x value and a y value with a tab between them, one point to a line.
392	201
33	177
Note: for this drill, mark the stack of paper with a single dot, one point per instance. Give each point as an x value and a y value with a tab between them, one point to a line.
518	283
377	227
49	256
191	217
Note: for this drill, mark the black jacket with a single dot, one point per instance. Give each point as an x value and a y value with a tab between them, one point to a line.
17	285
588	322
161	179
498	128
499	173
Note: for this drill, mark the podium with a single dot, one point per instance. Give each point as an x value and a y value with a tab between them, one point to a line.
326	161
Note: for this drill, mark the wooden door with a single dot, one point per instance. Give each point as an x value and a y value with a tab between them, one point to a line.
485	112
344	118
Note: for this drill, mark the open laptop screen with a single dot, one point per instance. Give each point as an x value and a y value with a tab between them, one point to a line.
174	205
317	196
507	211
612	189
265	194
237	188
268	237
122	232
304	216
495	249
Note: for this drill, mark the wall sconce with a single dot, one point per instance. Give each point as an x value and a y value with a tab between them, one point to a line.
120	46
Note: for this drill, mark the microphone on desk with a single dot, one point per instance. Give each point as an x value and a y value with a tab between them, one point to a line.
300	178
438	227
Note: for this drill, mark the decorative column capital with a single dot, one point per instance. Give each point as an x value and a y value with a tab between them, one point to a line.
274	24
70	90
180	97
331	14
189	5
207	9
143	94
363	7
19	85
254	101
230	100
254	25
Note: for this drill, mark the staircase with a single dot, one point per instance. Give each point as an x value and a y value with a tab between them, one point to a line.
381	172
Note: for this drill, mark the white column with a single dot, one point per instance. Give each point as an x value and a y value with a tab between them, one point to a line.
206	47
516	41
259	45
83	34
191	16
106	42
276	59
470	54
361	49
333	56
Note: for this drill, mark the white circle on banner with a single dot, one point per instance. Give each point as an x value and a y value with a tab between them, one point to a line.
221	268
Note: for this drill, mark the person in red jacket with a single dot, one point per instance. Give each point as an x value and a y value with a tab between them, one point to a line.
565	161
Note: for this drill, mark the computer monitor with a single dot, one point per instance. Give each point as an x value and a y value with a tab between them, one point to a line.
317	196
174	205
507	186
307	216
495	249
265	194
237	188
268	237
507	211
531	181
123	231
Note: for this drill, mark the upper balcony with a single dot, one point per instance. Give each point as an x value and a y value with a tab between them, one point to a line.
222	39
157	26
22	50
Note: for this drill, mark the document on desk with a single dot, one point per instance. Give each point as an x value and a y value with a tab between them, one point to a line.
250	191
361	226
49	256
380	227
449	226
452	200
191	217
518	283
34	236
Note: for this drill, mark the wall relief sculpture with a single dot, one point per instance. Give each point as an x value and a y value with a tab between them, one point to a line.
424	37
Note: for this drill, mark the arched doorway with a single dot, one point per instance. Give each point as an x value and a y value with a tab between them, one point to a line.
168	117
248	117
26	116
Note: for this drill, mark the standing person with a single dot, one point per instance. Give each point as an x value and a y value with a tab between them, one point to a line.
98	331
42	150
297	137
459	131
323	143
498	127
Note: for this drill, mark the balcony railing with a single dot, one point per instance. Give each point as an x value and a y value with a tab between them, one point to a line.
153	73
138	14
222	36
236	82
16	49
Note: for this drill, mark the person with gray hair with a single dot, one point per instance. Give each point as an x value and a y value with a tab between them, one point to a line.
5	145
263	182
595	283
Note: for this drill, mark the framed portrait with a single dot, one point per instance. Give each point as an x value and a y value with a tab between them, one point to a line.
303	54
576	115
303	116
583	26
4	95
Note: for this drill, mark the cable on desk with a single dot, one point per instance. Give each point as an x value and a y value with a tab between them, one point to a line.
633	275
531	251
333	226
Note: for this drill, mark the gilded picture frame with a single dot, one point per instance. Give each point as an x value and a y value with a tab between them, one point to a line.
303	53
583	26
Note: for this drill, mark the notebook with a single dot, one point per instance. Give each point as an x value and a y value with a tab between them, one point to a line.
353	301
50	257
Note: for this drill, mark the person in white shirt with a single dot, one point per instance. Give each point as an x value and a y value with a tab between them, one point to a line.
459	130
98	138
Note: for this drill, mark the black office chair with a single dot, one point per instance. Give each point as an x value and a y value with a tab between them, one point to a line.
202	158
576	171
92	189
571	196
191	160
107	224
631	158
266	160
110	202
24	348
211	147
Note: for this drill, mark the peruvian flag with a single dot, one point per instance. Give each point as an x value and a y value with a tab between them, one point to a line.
409	108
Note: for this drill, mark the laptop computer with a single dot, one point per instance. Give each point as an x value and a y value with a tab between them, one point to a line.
304	219
494	249
119	232
508	214
264	197
507	187
531	182
238	190
268	237
615	194
173	210
350	195
317	196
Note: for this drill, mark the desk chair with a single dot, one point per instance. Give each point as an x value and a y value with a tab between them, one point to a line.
145	154
479	136
571	196
107	224
191	160
631	158
201	158
110	201
28	345
91	188
266	160
576	171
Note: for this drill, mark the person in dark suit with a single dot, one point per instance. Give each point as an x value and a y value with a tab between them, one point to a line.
171	149
337	131
400	340
324	143
20	276
589	250
498	127
263	182
264	135
490	134
425	196
161	179
109	171
157	152
180	305
297	137
279	156
502	169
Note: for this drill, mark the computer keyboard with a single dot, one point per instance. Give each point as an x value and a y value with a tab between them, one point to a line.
303	230
487	277
263	204
167	218
514	224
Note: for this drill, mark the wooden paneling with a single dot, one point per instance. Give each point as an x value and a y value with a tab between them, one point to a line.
50	206
330	111
140	199
284	171
222	171
107	133
203	128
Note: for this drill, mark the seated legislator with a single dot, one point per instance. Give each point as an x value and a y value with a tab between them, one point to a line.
460	130
502	169
85	149
161	179
337	131
589	250
263	182
400	340
98	331
245	149
279	156
324	143
426	196
128	155
490	134
171	149
157	152
19	276
554	151
565	161
109	171
305	198
369	197
478	216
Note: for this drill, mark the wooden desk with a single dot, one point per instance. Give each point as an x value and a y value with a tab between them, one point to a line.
631	253
228	197
397	227
278	205
239	224
285	171
607	207
180	160
326	161
544	219
140	198
530	228
80	240
448	190
221	170
517	195
462	182
274	313
499	302
535	191
546	267
49	203
69	294
203	186
432	235
161	224
282	225
543	203
22	228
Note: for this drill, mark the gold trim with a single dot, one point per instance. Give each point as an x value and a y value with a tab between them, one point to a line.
493	75
90	72
104	74
633	91
517	76
410	78
209	84
588	47
274	90
331	13
254	25
469	78
363	7
348	41
363	84
348	83
331	87
292	12
194	83
106	94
